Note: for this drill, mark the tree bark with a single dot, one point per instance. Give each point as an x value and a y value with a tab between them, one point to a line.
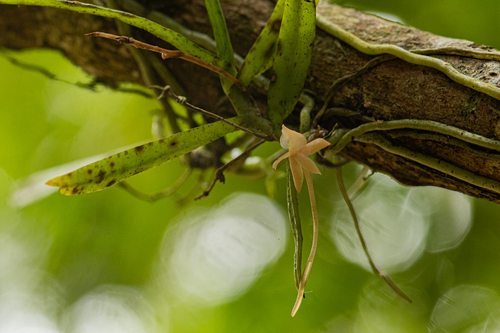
392	90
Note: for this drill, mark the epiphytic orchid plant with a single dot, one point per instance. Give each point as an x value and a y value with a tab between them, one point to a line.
290	48
301	165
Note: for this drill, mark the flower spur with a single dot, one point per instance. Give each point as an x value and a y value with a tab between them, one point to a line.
301	165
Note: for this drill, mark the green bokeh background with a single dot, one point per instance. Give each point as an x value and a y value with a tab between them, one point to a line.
57	251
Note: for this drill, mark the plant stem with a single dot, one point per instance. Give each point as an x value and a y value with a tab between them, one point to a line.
166	54
295	224
376	271
314	246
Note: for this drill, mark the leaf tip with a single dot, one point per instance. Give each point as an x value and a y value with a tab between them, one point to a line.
64	188
54	182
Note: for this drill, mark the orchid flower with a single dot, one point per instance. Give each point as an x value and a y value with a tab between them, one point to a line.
301	165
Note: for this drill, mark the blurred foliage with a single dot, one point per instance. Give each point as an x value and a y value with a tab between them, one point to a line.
107	262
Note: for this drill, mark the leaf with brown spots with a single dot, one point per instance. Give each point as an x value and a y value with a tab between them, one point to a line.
261	55
292	59
115	168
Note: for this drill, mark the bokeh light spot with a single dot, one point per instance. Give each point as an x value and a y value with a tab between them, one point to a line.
218	254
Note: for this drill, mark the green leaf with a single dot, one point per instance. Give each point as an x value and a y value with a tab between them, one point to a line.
293	215
170	36
115	168
243	103
222	40
261	55
293	56
221	34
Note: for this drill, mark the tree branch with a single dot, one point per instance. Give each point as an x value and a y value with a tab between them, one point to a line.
391	90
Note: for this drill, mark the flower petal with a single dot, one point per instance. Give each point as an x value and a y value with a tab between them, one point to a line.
281	158
314	146
295	140
284	138
297	174
306	163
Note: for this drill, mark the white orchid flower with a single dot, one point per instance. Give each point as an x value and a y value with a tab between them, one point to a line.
298	152
301	165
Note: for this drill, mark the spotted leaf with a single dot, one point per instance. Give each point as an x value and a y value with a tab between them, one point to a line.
261	55
292	59
115	168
